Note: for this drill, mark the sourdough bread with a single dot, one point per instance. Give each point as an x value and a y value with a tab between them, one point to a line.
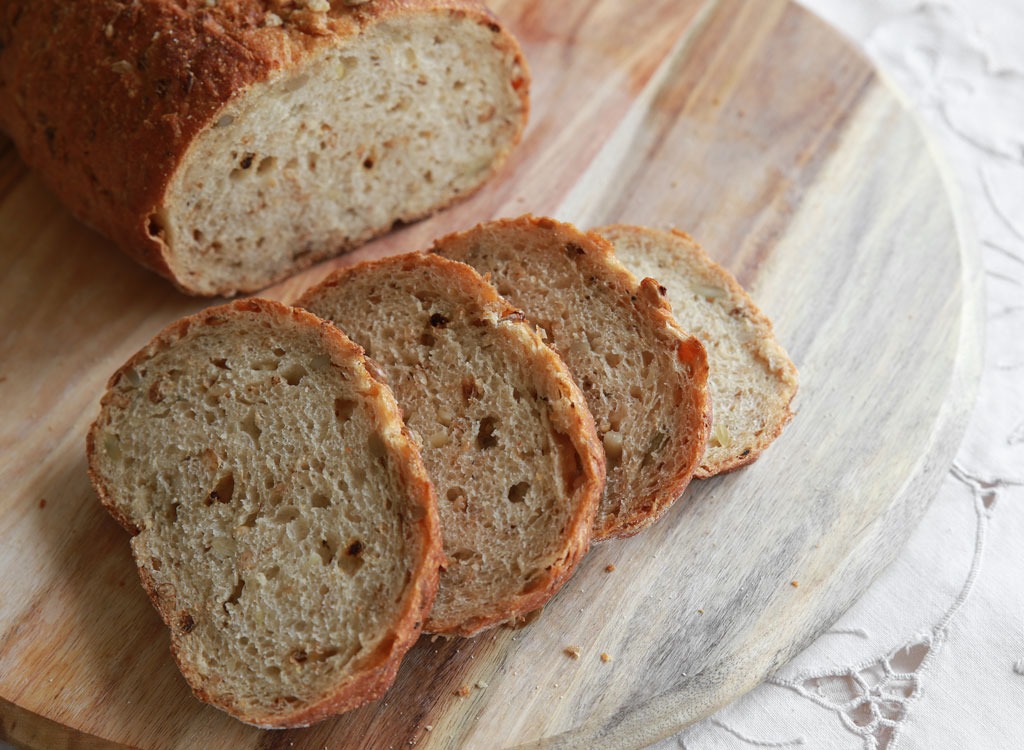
228	144
752	379
644	379
506	436
283	523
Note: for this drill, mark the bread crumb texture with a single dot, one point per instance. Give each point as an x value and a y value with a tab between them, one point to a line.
751	378
504	431
292	579
645	381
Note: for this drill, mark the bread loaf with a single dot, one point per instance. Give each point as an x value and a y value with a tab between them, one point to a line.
644	379
506	436
752	379
228	144
283	523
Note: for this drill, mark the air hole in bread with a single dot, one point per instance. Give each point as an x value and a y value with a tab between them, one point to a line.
154	227
236	592
223	491
647	357
249	427
343	408
613	359
311	161
517	492
571	464
457	497
485	437
352	560
368	162
250	520
172	512
463	554
287	514
534	581
470	389
294	373
272	572
267	163
155	563
112	447
220	363
327	550
636	392
376	445
427	340
319	500
186	623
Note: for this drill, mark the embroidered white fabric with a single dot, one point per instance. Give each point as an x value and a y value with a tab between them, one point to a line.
933	655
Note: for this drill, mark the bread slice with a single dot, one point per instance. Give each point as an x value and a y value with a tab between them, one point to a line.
752	379
644	379
282	520
506	435
226	145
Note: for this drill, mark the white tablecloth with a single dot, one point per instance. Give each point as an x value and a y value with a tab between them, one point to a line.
932	657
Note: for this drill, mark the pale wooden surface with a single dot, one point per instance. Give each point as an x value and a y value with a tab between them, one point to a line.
749	124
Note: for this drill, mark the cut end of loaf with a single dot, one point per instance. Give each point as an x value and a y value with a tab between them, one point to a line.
283	523
394	123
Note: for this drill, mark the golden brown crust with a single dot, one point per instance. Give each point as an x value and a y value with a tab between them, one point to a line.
376	672
581	432
163	69
765	347
595	257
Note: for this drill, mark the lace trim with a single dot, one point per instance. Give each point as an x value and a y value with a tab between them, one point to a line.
872	699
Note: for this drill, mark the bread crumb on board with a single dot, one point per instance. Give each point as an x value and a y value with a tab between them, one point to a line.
573	652
609	568
463	691
794	584
606	657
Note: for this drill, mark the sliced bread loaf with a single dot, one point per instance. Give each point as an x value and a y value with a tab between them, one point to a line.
228	144
282	520
752	379
506	435
644	379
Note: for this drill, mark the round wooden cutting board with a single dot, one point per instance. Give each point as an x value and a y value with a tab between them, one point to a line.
749	124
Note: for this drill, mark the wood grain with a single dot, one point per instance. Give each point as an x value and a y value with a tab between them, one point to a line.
751	125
